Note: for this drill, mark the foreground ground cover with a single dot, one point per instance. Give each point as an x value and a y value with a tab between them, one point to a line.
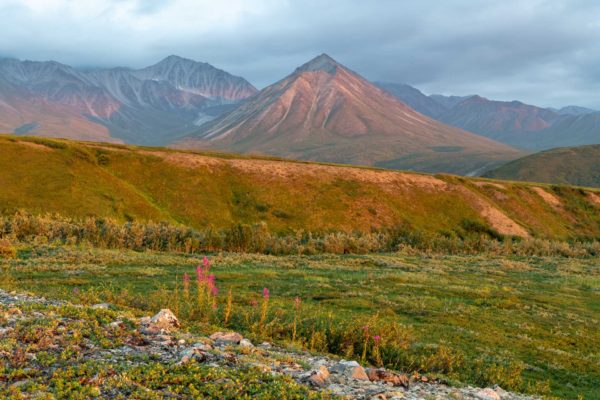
528	324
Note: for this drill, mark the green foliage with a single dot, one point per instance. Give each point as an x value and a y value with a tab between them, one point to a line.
525	323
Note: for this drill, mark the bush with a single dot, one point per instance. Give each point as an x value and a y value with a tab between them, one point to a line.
6	249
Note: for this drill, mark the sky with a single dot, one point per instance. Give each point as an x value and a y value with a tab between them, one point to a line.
543	52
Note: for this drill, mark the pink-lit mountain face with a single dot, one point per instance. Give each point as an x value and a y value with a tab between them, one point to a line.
326	112
153	105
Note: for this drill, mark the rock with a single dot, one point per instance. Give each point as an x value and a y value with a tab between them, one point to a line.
145	320
265	345
165	319
487	394
389	377
192	354
501	392
226	338
5	331
379	396
101	306
246	343
317	380
202	346
150	330
350	369
324	372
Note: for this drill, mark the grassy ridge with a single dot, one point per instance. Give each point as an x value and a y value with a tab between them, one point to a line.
214	190
566	165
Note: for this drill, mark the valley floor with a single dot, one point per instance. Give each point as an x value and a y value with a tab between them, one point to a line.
527	324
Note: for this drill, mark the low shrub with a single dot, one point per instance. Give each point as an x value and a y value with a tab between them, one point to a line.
7	250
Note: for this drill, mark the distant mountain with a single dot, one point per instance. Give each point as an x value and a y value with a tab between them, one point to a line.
414	98
567	165
325	112
568	130
504	121
510	122
575	110
153	105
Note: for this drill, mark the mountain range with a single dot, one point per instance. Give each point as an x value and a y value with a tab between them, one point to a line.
153	105
511	122
323	111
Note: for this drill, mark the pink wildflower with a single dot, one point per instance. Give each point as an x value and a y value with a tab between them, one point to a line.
214	291
376	338
186	278
265	293
206	262
199	273
253	303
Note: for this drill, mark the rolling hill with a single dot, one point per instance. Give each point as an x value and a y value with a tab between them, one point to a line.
326	112
203	190
153	105
569	165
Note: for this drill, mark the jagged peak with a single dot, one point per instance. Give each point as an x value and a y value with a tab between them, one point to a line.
322	62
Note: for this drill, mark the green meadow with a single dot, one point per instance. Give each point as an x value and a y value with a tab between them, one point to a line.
529	324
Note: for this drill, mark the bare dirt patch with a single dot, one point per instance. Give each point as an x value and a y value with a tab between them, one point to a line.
495	217
36	146
292	170
595	197
547	196
492	184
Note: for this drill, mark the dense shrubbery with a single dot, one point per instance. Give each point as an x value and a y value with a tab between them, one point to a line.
469	238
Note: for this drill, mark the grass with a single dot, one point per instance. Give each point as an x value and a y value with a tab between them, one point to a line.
526	323
130	183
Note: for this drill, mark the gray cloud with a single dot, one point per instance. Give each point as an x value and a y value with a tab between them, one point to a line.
543	52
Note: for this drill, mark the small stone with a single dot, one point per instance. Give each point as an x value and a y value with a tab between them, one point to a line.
324	372
145	320
101	306
226	338
150	330
181	341
165	319
246	343
265	345
487	394
317	380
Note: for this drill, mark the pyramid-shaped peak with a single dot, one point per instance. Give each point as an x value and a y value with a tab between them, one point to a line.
320	63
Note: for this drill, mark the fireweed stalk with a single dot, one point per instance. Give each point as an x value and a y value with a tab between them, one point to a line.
297	303
366	344
264	308
376	341
228	307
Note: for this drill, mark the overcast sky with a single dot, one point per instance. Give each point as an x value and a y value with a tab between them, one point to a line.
545	52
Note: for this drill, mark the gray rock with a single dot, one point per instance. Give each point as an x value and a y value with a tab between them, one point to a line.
165	319
221	338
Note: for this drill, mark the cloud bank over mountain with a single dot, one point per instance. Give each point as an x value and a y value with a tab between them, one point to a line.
544	52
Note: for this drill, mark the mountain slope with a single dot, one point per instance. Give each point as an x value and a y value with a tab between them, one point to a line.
514	123
569	165
153	105
325	112
414	98
213	190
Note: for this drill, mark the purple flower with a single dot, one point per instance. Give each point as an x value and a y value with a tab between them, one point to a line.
266	294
